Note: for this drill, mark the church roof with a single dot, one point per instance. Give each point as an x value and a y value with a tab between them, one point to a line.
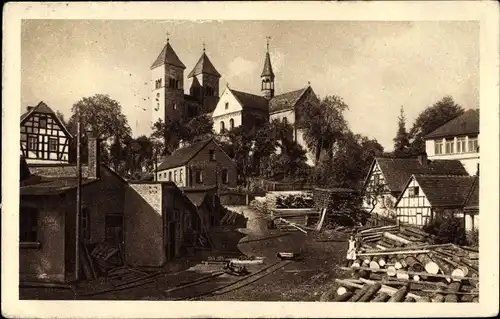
168	56
465	124
286	100
204	66
249	100
268	69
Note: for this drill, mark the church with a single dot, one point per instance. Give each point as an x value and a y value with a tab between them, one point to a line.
230	109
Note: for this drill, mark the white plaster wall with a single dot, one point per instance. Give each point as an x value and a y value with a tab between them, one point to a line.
181	181
158	95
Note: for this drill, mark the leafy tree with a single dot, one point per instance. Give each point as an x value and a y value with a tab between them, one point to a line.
324	125
102	114
198	128
430	119
170	132
401	141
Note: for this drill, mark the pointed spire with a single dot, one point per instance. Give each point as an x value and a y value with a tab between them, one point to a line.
204	66
168	56
268	69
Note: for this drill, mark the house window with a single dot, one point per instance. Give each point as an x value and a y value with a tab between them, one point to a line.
180	175
211	155
32	143
449	147
413	191
461	145
376	179
285	120
222	127
224	176
169	176
53	144
28	225
473	145
438	147
231	124
85	227
227	105
43	122
175	176
198	176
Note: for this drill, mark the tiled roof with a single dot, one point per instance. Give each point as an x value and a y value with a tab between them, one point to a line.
183	155
446	191
465	124
204	66
52	186
249	100
285	101
472	201
168	56
57	170
397	171
268	69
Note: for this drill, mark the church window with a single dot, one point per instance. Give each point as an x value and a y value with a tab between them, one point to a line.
222	127
53	144
227	105
231	124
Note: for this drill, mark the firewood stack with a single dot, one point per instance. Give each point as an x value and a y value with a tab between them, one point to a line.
398	264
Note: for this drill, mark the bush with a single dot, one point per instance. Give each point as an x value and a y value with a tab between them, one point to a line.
473	238
447	230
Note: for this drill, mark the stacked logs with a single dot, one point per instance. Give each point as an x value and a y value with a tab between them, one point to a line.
397	264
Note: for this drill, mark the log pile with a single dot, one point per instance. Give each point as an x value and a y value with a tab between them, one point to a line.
398	264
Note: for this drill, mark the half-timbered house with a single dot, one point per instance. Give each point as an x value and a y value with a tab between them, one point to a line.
427	197
387	178
44	138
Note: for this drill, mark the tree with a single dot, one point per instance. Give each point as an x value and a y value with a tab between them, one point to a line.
102	114
198	128
324	125
170	133
401	141
350	163
430	119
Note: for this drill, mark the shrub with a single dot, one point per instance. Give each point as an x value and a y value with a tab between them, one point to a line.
447	230
473	238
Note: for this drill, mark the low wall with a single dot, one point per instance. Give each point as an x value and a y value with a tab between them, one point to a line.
236	198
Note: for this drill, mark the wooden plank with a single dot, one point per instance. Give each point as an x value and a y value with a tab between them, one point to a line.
408	272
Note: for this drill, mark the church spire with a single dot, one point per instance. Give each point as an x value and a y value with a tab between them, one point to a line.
267	75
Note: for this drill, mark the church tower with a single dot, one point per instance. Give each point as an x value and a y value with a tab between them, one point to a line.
167	85
267	76
205	83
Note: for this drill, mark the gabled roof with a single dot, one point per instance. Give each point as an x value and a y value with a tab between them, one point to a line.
268	69
248	100
53	186
43	108
472	201
204	66
465	124
286	101
183	155
168	56
444	191
397	171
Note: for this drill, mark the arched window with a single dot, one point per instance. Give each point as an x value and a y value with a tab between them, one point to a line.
231	124
222	127
177	84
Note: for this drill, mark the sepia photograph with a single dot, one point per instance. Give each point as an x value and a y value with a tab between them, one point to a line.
175	157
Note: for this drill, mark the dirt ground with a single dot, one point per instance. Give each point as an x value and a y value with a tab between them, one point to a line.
302	280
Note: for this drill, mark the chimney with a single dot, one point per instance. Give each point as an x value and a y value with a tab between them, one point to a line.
93	154
422	159
29	108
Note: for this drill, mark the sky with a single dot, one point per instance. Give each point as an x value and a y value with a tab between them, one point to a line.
376	67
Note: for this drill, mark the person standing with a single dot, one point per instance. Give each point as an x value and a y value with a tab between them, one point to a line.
351	250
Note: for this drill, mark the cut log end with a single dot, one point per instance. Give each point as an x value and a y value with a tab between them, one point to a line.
341	291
